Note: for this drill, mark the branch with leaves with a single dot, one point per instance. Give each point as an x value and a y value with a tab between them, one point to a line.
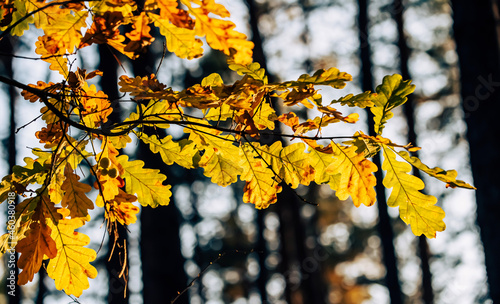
223	125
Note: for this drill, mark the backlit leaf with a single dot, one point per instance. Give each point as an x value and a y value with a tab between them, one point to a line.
181	41
415	208
390	94
362	100
147	184
447	176
261	188
220	34
220	159
71	267
183	153
38	244
356	178
331	77
74	198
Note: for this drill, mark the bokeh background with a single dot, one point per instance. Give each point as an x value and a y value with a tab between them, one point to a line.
295	252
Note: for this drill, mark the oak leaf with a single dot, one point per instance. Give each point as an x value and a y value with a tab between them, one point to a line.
71	267
139	36
74	198
220	158
331	77
169	10
220	34
181	41
183	153
356	178
147	184
447	176
33	248
362	100
121	209
415	208
38	243
261	188
390	94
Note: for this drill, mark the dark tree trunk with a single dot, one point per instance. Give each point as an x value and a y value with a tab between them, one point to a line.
477	48
163	273
117	280
292	227
409	109
6	45
384	225
258	56
42	289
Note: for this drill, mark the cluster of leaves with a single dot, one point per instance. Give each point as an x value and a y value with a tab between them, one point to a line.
224	126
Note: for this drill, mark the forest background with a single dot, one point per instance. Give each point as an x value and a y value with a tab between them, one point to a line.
295	252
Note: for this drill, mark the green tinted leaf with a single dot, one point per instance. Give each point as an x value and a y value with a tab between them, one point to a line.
390	94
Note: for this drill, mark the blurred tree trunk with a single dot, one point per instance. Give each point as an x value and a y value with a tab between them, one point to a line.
384	225
258	56
42	289
6	46
117	292
477	48
163	273
409	109
294	254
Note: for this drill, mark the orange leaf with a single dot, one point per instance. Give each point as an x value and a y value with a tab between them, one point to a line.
121	208
139	36
74	197
38	243
169	10
220	34
33	248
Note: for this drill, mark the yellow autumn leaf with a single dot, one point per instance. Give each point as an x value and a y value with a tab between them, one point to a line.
121	209
320	157
253	70
181	41
71	267
18	12
221	168
261	187
447	176
296	167
220	34
126	7
271	156
57	62
415	208
55	187
169	10
356	178
220	159
264	116
331	77
147	184
221	113
62	35
24	213
290	164
390	94
182	153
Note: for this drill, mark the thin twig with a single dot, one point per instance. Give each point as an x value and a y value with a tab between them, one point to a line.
220	256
